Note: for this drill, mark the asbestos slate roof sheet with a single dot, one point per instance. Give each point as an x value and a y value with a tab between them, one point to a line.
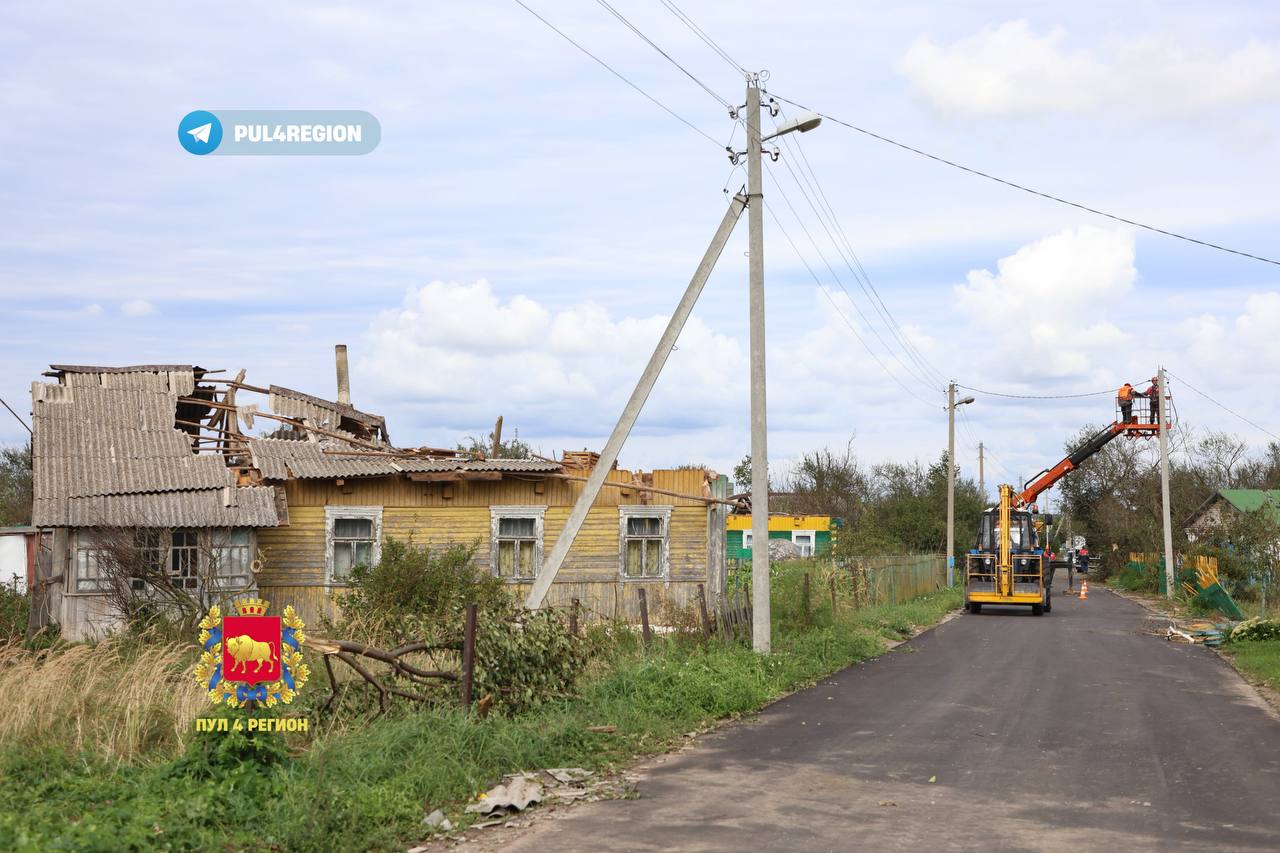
280	459
255	506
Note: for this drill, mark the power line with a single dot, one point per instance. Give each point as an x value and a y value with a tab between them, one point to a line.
836	276
620	76
1034	396
839	312
623	18
700	33
1032	191
1221	406
857	269
17	416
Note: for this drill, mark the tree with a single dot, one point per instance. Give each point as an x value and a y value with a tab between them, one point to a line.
15	485
511	448
826	482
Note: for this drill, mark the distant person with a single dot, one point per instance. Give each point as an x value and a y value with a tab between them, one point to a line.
1082	561
1125	398
1071	567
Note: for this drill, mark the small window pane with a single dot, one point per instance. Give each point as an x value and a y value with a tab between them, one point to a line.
363	552
342	558
653	557
527	527
526	559
635	558
506	559
353	528
644	526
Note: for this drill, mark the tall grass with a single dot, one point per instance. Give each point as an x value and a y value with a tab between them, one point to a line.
120	700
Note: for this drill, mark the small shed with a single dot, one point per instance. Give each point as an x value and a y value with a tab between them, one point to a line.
810	534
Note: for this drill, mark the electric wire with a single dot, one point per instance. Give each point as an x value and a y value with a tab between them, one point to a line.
1032	191
840	312
700	33
869	325
1035	396
640	33
620	76
854	263
1221	406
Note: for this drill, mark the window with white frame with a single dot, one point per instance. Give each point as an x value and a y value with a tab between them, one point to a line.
353	537
184	559
746	539
231	555
645	534
516	541
805	542
89	561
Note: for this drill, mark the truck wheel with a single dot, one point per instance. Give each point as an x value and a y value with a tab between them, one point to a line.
975	607
1037	610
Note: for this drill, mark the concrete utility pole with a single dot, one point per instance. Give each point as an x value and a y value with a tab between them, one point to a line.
761	640
1164	484
982	475
951	479
631	411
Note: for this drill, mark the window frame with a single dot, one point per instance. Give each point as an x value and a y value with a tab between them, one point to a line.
747	537
813	542
83	550
336	513
625	514
496	514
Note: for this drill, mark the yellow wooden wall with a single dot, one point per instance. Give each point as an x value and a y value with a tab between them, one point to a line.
431	515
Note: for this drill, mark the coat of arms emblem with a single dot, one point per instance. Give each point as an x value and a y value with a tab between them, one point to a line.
251	656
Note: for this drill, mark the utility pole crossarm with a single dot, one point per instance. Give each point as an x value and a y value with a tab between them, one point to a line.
609	455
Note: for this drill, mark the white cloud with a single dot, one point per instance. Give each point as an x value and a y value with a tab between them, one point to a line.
458	354
1012	69
137	308
1046	307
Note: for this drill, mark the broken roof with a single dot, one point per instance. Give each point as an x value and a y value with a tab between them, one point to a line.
119	446
106	452
282	459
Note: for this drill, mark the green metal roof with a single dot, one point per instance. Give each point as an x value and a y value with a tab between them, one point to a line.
1250	500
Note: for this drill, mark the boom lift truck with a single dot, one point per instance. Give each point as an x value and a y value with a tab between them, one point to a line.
1008	563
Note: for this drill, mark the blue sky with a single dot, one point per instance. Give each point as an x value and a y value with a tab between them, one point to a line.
514	243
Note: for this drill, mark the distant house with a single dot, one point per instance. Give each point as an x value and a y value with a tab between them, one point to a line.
1216	513
810	534
161	454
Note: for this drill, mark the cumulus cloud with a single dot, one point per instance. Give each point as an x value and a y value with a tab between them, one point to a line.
137	308
457	353
1012	69
1048	306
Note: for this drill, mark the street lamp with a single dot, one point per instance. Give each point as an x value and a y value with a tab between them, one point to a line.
952	402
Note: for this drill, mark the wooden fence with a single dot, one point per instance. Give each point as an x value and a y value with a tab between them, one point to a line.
888	579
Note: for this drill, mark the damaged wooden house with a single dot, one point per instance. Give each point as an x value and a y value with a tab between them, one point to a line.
166	459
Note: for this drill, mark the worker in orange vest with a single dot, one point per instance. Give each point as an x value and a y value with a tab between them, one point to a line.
1153	394
1125	398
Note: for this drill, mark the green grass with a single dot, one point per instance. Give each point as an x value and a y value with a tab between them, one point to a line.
368	788
1258	658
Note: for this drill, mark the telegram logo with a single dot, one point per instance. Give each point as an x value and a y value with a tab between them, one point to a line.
200	132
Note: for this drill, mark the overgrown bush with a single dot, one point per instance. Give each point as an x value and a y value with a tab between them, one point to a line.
1256	628
14	609
416	593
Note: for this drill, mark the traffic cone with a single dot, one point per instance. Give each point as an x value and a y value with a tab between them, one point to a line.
1084	590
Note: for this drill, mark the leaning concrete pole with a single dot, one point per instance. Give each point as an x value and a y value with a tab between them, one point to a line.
761	640
1164	483
613	446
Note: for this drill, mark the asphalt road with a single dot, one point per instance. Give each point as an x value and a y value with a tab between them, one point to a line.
1071	731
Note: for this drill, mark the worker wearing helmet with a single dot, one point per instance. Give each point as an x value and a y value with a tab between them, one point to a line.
1125	398
1153	394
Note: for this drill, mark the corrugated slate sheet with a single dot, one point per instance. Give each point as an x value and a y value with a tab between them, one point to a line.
255	507
279	459
112	435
